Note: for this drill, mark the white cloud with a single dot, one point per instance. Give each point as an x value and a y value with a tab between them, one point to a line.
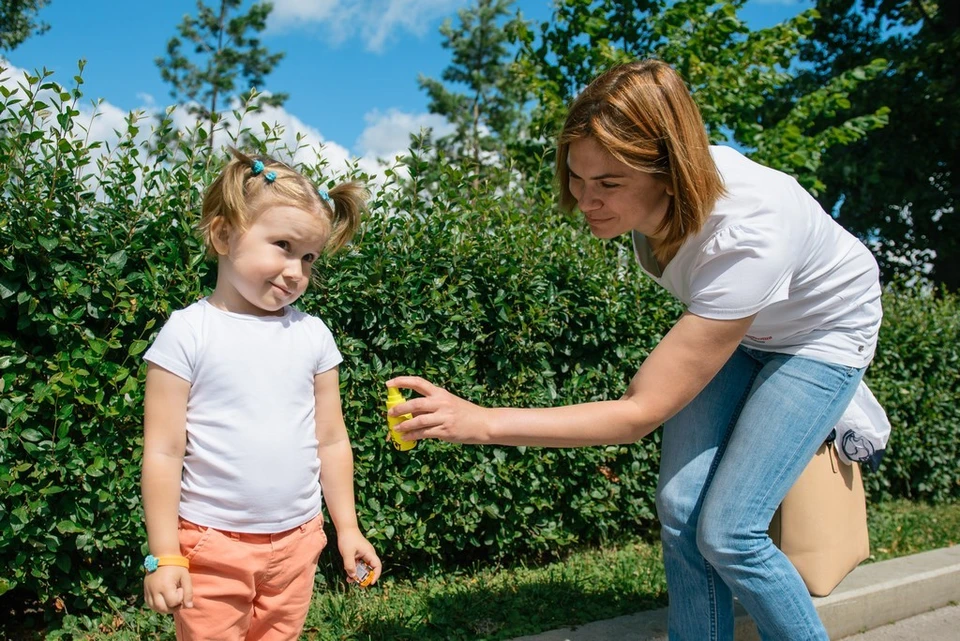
295	134
375	21
290	12
107	123
388	134
95	122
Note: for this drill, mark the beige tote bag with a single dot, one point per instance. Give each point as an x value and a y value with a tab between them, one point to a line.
821	525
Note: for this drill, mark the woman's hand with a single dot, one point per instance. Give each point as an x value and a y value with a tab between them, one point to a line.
439	414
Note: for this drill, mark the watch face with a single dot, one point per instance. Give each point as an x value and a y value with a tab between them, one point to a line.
150	564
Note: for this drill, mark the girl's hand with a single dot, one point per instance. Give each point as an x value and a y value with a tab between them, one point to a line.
354	546
168	588
439	414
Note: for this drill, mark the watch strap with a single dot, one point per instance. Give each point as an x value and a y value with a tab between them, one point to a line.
151	563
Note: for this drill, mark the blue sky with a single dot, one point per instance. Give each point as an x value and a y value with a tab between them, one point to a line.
351	66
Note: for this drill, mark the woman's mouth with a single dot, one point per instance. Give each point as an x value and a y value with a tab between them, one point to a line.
596	220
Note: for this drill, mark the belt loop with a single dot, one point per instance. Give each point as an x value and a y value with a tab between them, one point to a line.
235	536
303	528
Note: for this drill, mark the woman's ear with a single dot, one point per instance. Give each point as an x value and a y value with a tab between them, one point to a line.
668	185
220	235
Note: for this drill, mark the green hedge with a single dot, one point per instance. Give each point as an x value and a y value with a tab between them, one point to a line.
478	284
916	377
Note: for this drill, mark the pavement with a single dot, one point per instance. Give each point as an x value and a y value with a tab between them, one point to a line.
911	597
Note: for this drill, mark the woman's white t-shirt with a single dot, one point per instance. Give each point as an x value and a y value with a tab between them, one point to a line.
769	249
251	460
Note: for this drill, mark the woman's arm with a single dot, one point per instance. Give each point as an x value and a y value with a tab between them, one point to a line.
164	443
687	358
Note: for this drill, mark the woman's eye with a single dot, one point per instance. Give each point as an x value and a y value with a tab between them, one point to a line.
608	185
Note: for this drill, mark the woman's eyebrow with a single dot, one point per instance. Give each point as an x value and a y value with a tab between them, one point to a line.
600	177
606	176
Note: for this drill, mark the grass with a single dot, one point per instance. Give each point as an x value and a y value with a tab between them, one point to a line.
505	602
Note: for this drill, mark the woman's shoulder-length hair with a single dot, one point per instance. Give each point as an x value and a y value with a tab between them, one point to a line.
643	115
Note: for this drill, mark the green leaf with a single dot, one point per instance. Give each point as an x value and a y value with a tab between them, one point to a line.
6	585
31	435
69	527
117	260
64	563
7	289
137	347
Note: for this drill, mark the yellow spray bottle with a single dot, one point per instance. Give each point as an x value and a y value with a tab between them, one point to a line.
394	397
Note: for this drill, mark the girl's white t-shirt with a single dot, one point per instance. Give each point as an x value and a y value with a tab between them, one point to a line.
251	460
769	249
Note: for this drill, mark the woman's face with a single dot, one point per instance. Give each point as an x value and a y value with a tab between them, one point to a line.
613	197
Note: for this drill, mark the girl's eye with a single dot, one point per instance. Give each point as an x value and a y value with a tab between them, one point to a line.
282	244
310	257
608	185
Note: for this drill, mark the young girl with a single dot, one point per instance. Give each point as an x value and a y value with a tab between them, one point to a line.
242	418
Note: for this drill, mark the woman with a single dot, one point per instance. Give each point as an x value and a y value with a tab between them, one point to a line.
782	314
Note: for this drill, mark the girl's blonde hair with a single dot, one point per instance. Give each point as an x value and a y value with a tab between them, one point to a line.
240	192
643	115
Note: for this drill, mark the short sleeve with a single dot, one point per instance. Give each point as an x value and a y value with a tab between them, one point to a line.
175	348
740	271
328	356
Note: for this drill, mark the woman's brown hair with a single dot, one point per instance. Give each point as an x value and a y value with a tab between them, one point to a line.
643	115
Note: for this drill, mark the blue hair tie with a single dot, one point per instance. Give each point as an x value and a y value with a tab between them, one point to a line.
324	195
257	167
270	176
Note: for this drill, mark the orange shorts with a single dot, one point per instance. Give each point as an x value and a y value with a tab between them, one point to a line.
252	587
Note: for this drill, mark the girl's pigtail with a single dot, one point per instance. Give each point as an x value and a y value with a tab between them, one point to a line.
349	201
224	201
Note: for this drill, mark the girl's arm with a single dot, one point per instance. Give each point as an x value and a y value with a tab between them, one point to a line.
681	365
336	475
164	443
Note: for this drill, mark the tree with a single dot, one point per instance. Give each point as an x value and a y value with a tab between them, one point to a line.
732	71
897	186
18	21
222	54
490	110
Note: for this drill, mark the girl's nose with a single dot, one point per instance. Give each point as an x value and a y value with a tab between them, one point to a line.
293	270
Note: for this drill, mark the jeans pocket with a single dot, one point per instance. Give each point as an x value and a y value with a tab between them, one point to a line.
193	538
317	537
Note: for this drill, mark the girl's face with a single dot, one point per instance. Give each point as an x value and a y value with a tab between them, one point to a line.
613	197
268	266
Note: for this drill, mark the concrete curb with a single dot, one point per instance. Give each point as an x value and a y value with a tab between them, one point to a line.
871	596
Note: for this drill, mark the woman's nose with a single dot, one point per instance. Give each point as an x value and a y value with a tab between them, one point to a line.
588	200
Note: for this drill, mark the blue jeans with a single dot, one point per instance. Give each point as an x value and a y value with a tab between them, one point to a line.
728	459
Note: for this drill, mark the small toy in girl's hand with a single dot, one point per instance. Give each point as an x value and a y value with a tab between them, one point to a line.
365	574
